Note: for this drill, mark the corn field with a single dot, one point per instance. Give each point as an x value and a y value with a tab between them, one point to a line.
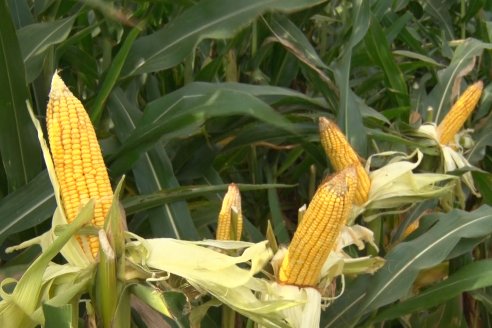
246	163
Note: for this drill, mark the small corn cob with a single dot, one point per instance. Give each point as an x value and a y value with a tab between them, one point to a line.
232	201
459	113
319	229
342	155
411	228
77	158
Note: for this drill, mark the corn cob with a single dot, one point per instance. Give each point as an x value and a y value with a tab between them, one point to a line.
232	201
411	228
77	158
342	155
319	229
459	113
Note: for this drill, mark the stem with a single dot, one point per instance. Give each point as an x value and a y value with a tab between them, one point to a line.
228	317
462	16
375	226
254	38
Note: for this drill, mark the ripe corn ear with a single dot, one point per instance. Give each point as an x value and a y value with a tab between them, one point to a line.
342	155
77	158
319	229
225	225
459	113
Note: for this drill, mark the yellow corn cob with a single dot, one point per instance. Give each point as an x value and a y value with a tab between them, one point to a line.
232	200
411	228
342	155
319	229
459	113
77	157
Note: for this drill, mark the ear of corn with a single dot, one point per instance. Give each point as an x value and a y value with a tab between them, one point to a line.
77	157
342	155
227	227
319	229
411	228
459	113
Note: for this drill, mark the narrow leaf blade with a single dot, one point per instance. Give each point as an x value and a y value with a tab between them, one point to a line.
473	276
21	155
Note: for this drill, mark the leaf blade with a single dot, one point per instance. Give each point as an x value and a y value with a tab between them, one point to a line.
472	276
153	172
349	118
21	155
208	19
405	261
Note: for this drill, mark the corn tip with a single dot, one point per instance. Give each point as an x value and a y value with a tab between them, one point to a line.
58	87
233	188
326	123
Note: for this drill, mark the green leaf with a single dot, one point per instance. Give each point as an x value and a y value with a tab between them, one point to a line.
485	101
57	317
276	211
196	92
153	297
439	10
392	282
337	314
153	172
470	277
138	203
449	314
481	139
30	205
123	314
20	12
417	56
405	261
216	19
260	132
450	77
484	185
21	155
41	6
297	42
27	206
484	297
36	39
349	117
177	302
397	25
400	24
112	75
185	118
292	38
380	52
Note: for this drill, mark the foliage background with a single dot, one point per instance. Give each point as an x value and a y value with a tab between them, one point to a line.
188	96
